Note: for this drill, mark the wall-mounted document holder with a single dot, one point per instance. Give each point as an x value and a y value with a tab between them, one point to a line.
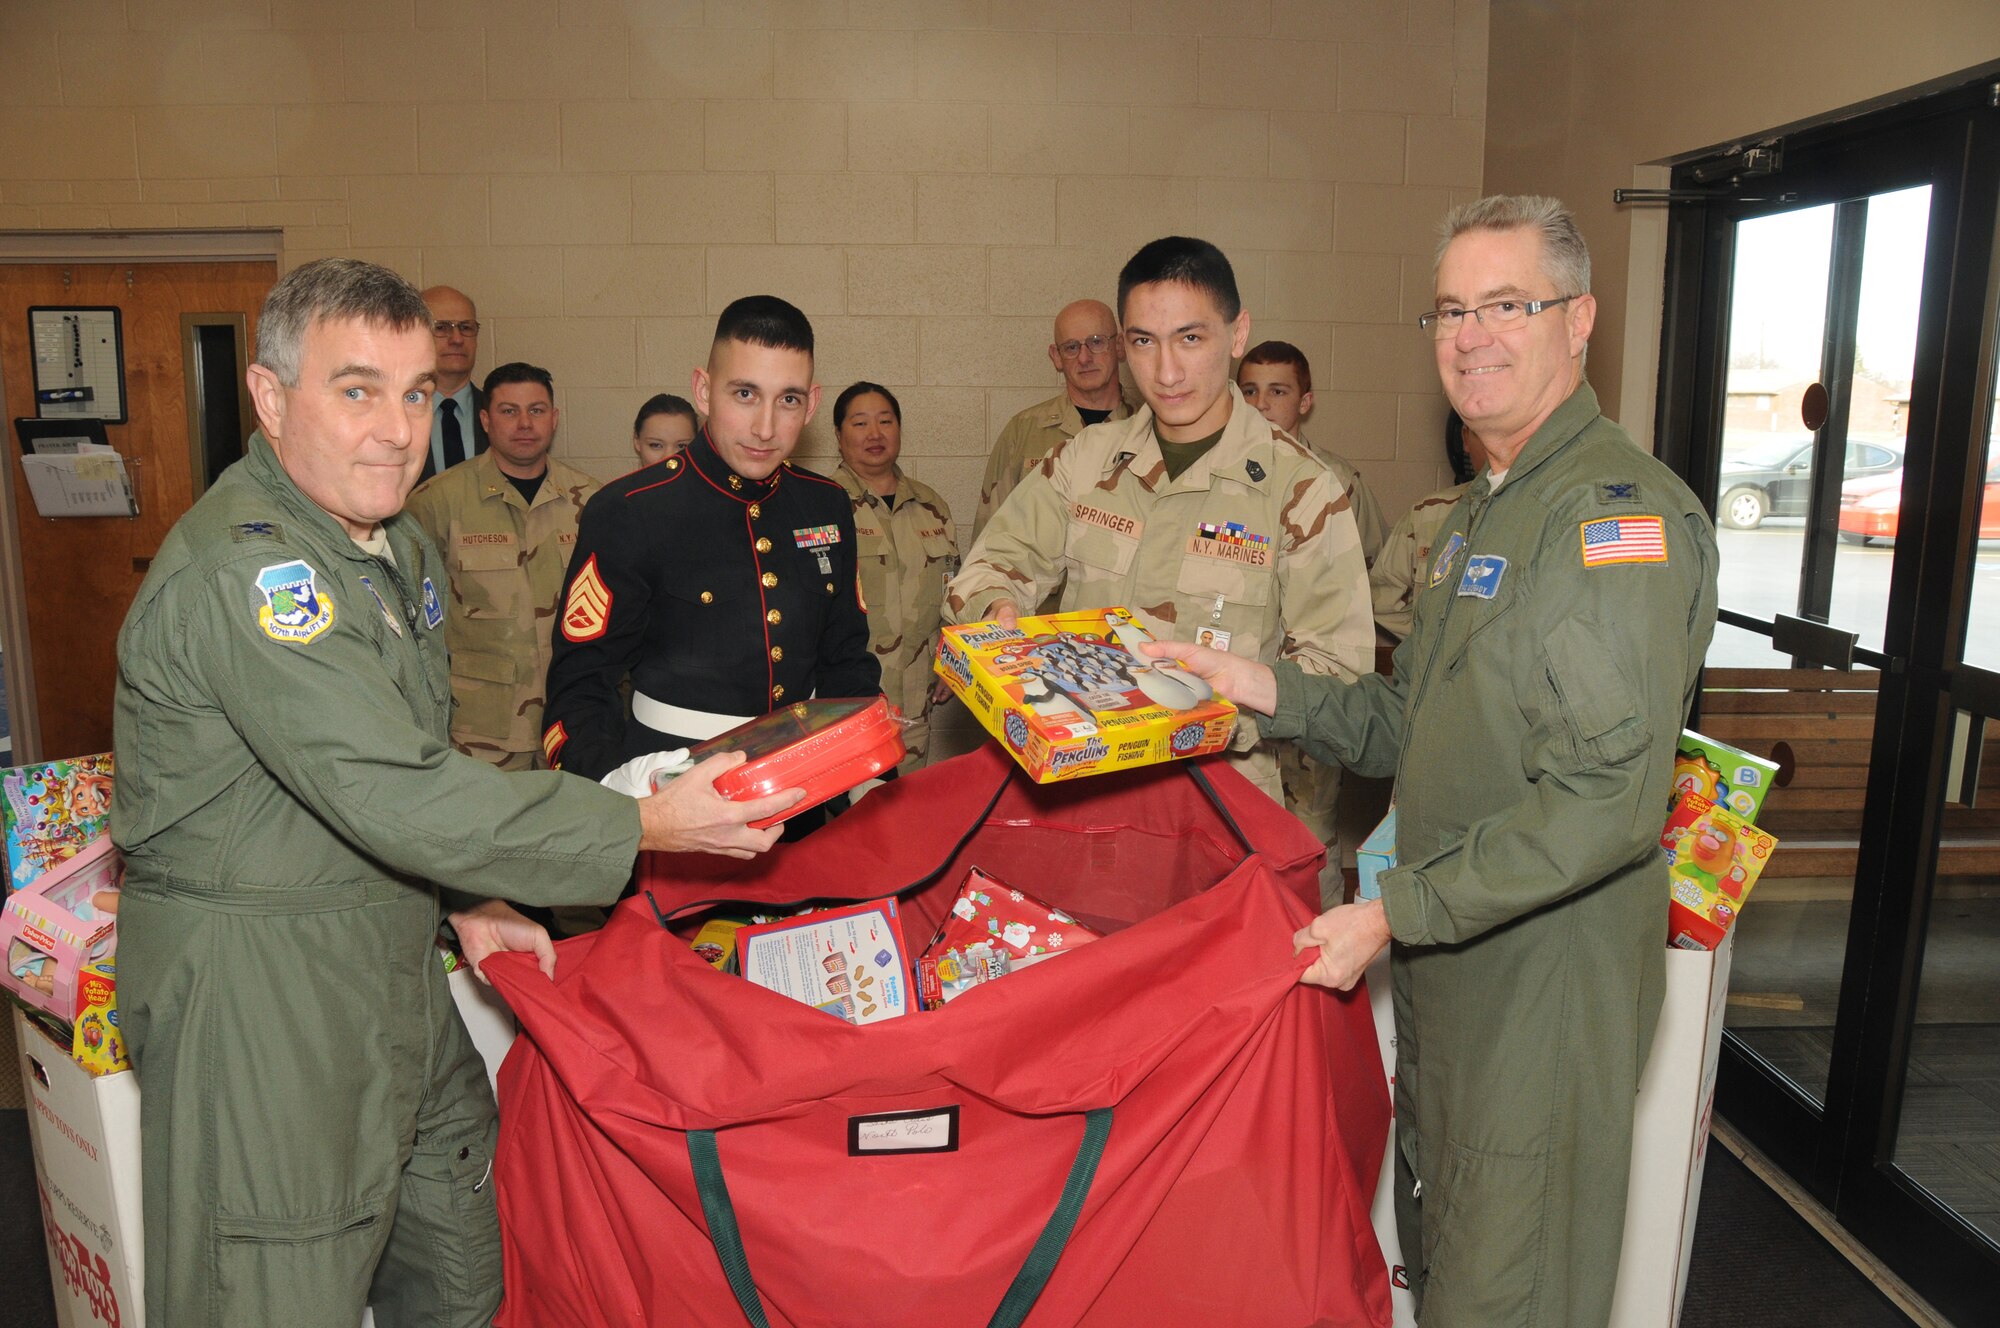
73	471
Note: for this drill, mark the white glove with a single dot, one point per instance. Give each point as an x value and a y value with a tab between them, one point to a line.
642	775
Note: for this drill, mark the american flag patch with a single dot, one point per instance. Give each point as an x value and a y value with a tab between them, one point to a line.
1624	539
1233	532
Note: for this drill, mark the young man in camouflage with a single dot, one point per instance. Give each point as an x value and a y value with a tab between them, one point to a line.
506	524
1195	513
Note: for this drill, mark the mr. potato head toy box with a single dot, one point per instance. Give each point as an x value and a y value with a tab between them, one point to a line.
1714	856
1071	694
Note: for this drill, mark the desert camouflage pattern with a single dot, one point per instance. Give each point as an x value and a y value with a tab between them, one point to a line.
1101	512
1368	519
1395	577
1028	437
506	560
907	550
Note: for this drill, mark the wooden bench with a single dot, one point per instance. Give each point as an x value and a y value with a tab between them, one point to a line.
1819	726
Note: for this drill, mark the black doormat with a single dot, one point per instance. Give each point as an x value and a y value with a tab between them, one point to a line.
1756	1262
28	1300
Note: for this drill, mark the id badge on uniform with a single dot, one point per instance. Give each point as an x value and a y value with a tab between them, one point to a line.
1212	637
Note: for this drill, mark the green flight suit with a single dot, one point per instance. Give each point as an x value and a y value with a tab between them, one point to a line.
1530	723
316	1129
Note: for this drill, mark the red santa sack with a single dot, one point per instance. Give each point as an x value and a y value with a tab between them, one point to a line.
1161	1127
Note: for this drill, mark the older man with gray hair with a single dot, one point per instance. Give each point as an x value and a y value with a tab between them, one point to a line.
317	1131
1530	724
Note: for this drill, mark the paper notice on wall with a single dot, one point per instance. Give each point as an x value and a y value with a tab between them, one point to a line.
83	483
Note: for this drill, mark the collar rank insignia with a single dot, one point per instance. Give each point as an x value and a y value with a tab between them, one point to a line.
1442	566
383	605
1254	471
433	607
294	611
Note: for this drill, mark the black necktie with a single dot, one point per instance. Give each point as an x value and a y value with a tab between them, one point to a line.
454	440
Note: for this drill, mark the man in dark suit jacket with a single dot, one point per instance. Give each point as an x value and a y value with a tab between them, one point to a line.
456	432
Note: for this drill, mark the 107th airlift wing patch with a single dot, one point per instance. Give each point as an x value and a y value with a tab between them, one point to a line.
295	610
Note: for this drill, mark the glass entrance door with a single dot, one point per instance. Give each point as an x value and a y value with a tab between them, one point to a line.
1829	377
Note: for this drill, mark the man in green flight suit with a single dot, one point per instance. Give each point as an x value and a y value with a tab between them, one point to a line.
316	1129
1530	723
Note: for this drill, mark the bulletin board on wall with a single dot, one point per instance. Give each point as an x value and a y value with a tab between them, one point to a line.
79	357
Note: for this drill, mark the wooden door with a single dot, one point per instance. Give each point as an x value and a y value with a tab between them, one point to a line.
81	573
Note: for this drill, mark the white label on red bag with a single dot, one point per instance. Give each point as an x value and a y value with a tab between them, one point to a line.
930	1131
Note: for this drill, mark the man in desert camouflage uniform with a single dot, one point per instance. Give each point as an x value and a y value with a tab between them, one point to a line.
1195	513
1086	352
1393	581
506	523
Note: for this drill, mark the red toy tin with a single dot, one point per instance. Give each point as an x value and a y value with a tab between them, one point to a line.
825	747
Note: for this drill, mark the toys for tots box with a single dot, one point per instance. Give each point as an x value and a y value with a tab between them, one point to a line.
85	1131
1066	698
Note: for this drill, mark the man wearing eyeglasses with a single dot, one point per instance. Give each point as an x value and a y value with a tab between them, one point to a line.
457	432
1086	352
1530	724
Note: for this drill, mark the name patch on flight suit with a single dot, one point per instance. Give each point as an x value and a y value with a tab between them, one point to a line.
294	611
1442	566
433	606
1482	575
1103	520
381	604
587	608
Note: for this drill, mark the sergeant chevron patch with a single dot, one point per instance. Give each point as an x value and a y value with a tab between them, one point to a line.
587	608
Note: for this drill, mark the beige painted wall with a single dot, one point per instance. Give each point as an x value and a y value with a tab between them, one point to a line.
928	179
1584	91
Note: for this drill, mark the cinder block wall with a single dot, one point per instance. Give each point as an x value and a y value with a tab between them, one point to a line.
929	179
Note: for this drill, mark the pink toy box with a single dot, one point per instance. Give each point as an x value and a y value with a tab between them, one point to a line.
55	928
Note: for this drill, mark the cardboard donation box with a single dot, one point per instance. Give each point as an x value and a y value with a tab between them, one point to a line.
1071	694
85	1132
1670	1140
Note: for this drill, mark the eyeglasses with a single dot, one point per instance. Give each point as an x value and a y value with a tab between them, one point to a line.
1497	316
444	327
1069	350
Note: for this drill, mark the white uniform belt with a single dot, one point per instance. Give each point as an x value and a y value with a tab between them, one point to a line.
699	725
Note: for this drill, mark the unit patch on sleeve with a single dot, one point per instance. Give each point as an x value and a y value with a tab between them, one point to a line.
295	610
587	609
1623	539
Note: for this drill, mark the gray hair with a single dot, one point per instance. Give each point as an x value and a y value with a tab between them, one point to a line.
1565	257
328	289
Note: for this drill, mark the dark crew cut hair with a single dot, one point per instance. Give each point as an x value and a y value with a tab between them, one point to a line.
765	320
1190	262
519	371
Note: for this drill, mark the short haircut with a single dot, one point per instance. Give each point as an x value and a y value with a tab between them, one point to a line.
326	290
1190	262
1565	257
765	320
1281	352
862	389
665	403
519	371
